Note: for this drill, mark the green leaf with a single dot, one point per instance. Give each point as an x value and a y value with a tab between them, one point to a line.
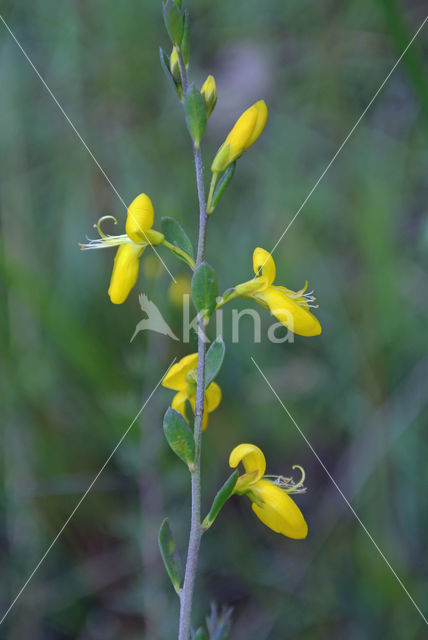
185	43
214	360
196	114
221	497
175	234
179	436
200	634
204	289
164	58
223	184
170	555
173	18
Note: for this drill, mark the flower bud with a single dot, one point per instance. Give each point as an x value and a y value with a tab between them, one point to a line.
209	94
245	132
140	218
174	66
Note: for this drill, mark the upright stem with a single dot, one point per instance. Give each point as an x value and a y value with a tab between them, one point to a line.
195	523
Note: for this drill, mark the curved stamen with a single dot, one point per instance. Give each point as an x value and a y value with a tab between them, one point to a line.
302	479
98	225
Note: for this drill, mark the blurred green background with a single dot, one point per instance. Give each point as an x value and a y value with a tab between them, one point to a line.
71	382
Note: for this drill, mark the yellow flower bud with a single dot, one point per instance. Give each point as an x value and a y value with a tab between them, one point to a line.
244	133
140	218
209	94
174	66
125	272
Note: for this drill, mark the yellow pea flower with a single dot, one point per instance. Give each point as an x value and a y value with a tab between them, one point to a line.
131	245
182	378
269	494
244	133
209	94
290	307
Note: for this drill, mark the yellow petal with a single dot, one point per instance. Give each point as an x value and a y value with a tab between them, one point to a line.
213	396
251	457
140	218
264	263
125	271
278	511
211	401
292	315
176	376
179	403
241	132
234	145
262	113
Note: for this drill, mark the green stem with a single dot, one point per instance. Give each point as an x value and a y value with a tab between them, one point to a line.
195	522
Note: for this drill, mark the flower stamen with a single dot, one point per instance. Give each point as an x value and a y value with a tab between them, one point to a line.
288	484
98	226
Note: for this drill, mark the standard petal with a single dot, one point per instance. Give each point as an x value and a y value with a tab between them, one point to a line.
179	402
176	376
252	459
262	113
241	133
264	266
140	218
293	315
278	511
125	272
212	396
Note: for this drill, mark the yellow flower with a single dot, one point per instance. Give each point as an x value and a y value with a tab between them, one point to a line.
270	500
245	132
131	245
182	378
290	307
209	94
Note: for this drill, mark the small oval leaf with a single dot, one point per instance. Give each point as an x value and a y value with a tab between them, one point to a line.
176	235
204	289
222	496
174	23
170	556
185	43
200	634
214	359
196	114
179	436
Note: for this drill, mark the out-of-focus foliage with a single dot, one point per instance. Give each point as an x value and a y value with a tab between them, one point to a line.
71	381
